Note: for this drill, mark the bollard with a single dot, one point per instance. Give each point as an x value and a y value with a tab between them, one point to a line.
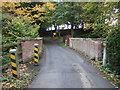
104	56
36	57
65	42
54	34
14	63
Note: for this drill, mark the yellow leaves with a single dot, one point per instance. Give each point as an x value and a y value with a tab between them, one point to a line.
30	18
36	15
8	22
19	11
22	12
110	22
18	22
9	32
37	7
49	5
42	8
94	25
33	21
87	25
10	5
87	6
26	12
107	1
109	31
0	4
12	20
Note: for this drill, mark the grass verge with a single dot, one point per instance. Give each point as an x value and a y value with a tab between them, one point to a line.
106	74
62	44
54	39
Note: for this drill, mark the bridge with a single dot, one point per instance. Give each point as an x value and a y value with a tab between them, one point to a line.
63	67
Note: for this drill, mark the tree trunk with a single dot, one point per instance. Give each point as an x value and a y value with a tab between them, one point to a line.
72	31
59	31
82	26
55	26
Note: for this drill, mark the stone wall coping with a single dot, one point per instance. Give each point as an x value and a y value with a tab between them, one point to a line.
30	39
92	39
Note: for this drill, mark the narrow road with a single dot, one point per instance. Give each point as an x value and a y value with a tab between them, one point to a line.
64	68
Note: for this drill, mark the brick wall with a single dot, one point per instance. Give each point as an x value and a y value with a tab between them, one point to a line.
27	47
66	38
92	48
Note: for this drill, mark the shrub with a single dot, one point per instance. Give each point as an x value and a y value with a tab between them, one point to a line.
92	58
16	27
113	51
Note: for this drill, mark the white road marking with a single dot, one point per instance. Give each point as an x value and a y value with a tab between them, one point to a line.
83	77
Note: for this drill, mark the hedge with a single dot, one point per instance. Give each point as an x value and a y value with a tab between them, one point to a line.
113	51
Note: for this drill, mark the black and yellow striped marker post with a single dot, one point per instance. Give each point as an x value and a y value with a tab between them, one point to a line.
14	63
36	56
54	35
65	42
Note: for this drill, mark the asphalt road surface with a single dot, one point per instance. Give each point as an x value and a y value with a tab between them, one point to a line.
64	68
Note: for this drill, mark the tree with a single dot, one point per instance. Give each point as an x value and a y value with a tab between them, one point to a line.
16	27
33	11
67	12
96	14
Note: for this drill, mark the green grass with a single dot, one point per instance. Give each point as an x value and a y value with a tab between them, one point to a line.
112	79
62	44
47	38
108	74
54	39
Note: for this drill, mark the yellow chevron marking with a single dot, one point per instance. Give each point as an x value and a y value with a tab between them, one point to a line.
35	59
54	33
14	77
13	64
35	54
12	56
13	71
36	49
